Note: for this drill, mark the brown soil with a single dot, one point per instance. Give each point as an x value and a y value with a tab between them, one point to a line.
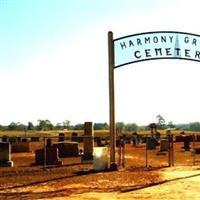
78	181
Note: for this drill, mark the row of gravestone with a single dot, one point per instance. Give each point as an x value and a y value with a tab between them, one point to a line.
151	143
100	141
51	153
180	138
19	139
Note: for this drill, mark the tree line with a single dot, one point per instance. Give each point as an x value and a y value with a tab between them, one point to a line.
46	125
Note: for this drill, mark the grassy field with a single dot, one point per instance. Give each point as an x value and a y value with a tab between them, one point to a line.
102	133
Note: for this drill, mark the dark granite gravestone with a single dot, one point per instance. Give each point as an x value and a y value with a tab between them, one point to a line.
187	140
4	138
74	137
61	137
12	139
48	144
67	149
88	142
49	158
5	155
151	143
35	139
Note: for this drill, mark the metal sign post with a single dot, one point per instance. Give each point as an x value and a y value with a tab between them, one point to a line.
111	100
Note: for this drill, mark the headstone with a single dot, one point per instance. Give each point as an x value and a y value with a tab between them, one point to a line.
98	141
61	137
117	142
198	138
12	139
128	140
157	135
48	142
100	161
88	142
164	145
35	139
51	156
4	138
5	155
179	138
76	138
19	147
143	139
197	151
67	149
187	143
135	140
151	143
153	128
24	140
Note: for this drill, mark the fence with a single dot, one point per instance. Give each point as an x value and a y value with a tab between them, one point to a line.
163	151
132	150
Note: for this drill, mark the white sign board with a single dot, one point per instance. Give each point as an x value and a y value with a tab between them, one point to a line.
156	45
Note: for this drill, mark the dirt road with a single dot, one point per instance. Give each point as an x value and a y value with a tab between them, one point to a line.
168	183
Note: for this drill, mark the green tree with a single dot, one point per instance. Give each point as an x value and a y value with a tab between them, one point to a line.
79	127
171	125
66	124
30	126
59	126
100	126
120	125
194	126
131	127
17	126
160	122
12	126
44	125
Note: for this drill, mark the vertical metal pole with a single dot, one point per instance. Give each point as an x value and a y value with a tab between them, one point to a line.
172	150
111	99
45	153
146	153
123	154
193	148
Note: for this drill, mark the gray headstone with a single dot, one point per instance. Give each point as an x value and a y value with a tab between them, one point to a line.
164	145
5	155
61	137
151	143
88	142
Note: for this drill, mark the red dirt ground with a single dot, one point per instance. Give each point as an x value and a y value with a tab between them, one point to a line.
76	181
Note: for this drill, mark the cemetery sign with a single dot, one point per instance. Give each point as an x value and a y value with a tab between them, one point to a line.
156	45
141	47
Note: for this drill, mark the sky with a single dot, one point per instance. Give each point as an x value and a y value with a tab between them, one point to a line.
54	62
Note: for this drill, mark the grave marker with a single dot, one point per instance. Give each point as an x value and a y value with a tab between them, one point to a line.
187	143
51	156
61	137
164	145
151	143
67	149
88	142
5	155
